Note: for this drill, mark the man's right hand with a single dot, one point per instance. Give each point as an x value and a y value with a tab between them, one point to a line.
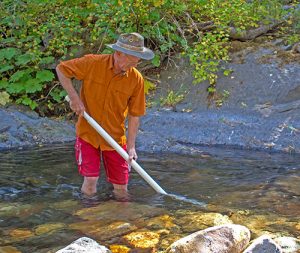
77	106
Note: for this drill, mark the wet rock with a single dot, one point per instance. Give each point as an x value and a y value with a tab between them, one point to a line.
19	210
26	128
84	245
19	234
263	244
222	239
288	244
193	221
9	249
48	228
163	222
98	230
119	249
260	224
126	211
65	205
142	239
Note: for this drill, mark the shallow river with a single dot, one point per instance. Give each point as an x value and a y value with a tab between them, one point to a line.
41	209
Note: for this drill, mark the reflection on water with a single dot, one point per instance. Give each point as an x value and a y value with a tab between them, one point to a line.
41	210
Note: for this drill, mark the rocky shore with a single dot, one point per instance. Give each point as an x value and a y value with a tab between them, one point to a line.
256	107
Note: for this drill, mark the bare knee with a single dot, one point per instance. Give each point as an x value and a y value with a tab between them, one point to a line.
89	186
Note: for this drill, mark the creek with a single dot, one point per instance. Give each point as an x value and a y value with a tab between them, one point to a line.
41	211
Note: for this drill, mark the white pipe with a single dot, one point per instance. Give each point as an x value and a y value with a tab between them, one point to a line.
123	153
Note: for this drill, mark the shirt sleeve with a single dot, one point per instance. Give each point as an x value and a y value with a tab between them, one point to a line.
137	102
76	68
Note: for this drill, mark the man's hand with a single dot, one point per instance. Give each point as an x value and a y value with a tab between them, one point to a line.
132	154
77	105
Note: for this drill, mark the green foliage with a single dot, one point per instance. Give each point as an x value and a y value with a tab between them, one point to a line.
36	34
173	97
4	98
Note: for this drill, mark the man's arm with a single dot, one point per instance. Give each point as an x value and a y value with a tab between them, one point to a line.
75	102
133	126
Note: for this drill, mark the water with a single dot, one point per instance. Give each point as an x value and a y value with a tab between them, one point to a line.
41	210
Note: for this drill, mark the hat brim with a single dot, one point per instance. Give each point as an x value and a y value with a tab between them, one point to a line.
146	54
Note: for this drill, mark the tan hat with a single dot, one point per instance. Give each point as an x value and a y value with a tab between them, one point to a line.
132	44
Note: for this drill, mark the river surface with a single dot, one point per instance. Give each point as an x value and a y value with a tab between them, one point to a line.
40	200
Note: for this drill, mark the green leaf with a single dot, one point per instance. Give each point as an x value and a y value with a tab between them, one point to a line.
15	88
45	75
3	84
33	85
4	98
6	68
47	60
24	74
8	53
156	61
24	59
27	101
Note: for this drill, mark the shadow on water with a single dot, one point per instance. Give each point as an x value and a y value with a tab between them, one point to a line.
41	209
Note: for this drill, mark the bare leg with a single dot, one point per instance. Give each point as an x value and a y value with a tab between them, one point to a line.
89	186
121	192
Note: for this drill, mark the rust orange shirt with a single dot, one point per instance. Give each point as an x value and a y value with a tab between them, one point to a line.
107	96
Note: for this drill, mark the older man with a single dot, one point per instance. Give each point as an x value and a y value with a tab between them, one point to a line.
112	88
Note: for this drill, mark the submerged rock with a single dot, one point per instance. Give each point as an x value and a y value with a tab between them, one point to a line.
193	221
9	249
142	239
222	239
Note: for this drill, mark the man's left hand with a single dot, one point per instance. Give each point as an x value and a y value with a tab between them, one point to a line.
132	154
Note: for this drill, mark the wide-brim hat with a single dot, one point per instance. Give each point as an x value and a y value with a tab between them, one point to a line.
132	44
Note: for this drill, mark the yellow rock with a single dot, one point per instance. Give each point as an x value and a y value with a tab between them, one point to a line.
9	249
20	233
65	205
162	222
126	211
143	239
98	230
193	221
47	228
118	249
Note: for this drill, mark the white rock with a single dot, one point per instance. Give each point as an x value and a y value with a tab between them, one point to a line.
222	239
84	245
263	244
288	244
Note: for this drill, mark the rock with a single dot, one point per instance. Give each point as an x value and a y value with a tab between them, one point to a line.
48	228
9	249
128	211
119	249
84	245
230	238
288	244
194	221
142	239
98	230
263	244
163	222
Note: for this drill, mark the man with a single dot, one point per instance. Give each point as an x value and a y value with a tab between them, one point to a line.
112	88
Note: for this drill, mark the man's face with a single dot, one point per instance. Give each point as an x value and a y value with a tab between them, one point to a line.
126	61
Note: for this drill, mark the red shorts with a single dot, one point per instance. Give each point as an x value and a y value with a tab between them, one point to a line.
88	160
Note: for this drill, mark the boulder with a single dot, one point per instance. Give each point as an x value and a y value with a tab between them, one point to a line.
84	245
264	244
288	244
229	238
